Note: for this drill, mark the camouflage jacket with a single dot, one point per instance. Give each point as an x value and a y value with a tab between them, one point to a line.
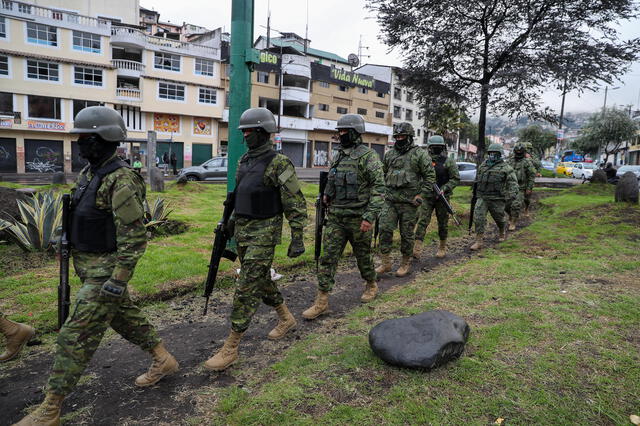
454	177
131	234
496	182
407	173
279	173
355	186
525	172
537	164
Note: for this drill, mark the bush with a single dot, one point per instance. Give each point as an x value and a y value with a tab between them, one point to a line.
156	215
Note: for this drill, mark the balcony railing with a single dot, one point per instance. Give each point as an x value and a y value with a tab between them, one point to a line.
122	92
26	9
131	35
127	65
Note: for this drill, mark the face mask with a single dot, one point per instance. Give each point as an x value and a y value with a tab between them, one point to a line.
493	157
403	143
519	155
435	150
95	149
346	140
256	139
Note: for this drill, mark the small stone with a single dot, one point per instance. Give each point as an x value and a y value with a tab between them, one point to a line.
599	176
634	419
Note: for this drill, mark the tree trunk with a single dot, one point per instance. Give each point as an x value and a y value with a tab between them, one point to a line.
482	121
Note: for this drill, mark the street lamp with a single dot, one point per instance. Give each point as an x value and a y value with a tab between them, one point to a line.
606	89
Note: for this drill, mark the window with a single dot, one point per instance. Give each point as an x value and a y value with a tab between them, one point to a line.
166	61
324	84
3	27
171	91
408	115
362	111
44	107
87	76
7	4
207	96
341	110
6	103
204	67
262	77
24	8
86	42
42	34
409	96
363	90
4	65
41	70
80	105
397	93
131	115
379	114
380	95
396	112
418	132
323	107
343	88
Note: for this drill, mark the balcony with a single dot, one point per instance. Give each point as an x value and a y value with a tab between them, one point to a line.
136	38
297	65
287	122
295	94
55	17
126	94
128	68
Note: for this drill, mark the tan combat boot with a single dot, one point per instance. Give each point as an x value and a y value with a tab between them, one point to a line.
417	249
47	413
286	322
442	249
227	355
405	266
502	234
385	266
512	224
370	292
479	242
17	336
163	364
320	306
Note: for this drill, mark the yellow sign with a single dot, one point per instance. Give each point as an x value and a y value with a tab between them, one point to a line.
201	126
168	123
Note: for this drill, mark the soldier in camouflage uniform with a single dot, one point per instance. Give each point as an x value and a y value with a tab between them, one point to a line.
526	174
108	238
537	164
496	183
354	194
408	173
17	336
447	178
266	187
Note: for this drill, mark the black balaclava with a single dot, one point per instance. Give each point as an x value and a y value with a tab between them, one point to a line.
257	138
403	144
95	149
519	154
436	150
348	140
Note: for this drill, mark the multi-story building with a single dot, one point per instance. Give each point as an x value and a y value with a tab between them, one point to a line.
316	90
55	61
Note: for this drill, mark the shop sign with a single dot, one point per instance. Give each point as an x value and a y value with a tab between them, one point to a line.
46	125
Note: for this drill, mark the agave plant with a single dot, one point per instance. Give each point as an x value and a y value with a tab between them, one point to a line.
157	214
41	216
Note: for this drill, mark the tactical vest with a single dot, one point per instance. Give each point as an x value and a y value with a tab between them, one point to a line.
491	181
255	200
519	166
400	174
442	172
92	229
346	181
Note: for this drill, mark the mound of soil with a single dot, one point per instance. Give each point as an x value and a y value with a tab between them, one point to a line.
9	206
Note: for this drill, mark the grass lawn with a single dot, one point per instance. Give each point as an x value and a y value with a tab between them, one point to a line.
554	337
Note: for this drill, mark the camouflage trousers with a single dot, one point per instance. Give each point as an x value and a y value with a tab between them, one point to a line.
514	208
429	204
337	232
81	334
254	284
495	207
403	216
527	199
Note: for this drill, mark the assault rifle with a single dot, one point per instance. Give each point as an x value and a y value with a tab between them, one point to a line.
447	205
321	212
474	199
63	287
219	249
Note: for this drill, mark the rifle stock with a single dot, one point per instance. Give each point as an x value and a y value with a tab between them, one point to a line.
63	287
474	200
446	203
219	249
321	211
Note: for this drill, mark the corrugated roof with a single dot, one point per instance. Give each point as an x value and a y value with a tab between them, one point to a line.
311	51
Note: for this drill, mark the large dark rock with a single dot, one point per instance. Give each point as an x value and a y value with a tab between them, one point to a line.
58	178
156	179
599	176
426	340
627	189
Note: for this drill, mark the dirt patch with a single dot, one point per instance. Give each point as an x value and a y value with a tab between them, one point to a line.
14	260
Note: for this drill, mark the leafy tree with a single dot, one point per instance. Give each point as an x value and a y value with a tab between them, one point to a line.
540	138
606	132
445	120
505	51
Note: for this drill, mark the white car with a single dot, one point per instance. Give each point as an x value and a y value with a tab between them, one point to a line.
583	171
467	171
624	169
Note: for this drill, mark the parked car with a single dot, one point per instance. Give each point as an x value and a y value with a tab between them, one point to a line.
624	169
561	168
467	171
583	170
213	169
546	164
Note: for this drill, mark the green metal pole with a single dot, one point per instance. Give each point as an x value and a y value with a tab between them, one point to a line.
240	81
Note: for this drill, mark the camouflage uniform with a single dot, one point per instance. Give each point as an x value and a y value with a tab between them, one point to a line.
257	239
408	172
121	192
355	188
526	175
537	164
495	184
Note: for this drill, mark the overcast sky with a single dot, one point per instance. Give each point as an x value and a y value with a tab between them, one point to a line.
337	25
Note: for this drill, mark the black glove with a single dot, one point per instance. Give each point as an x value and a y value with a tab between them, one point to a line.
296	247
113	289
230	228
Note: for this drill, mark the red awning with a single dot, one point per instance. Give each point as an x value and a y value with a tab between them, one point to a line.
471	148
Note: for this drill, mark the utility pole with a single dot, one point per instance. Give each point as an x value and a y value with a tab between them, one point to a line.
241	55
556	158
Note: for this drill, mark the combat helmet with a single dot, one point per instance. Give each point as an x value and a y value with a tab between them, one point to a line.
258	118
528	146
403	129
435	140
103	121
351	121
496	147
520	148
